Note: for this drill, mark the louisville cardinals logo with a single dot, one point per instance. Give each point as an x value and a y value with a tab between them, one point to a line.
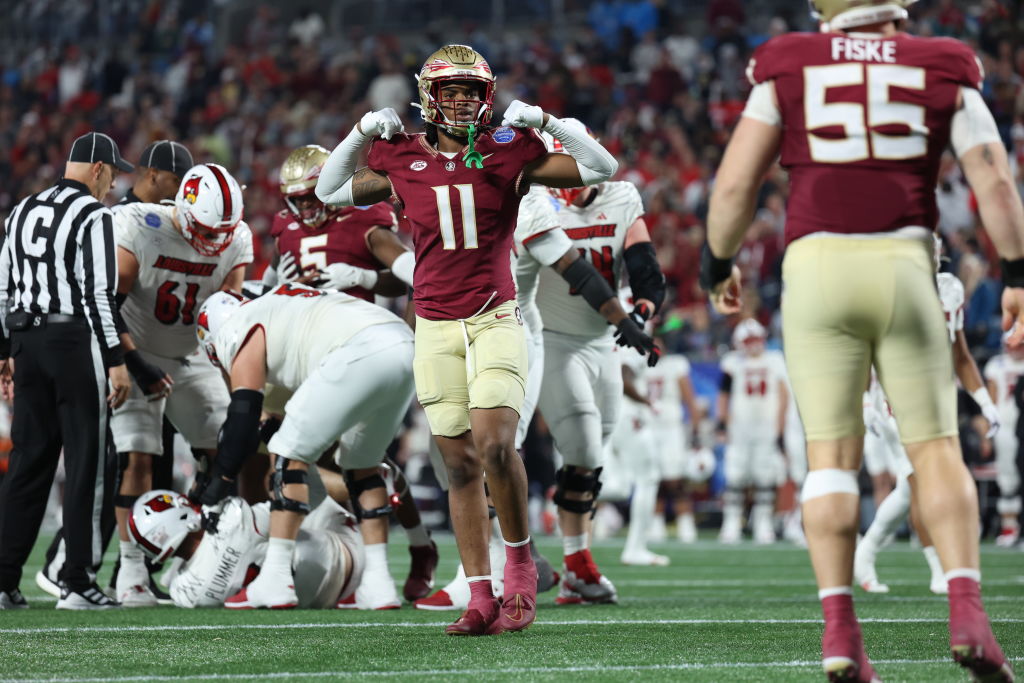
160	503
191	189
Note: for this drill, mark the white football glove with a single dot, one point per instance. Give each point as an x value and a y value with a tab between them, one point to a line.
342	276
991	413
383	123
523	115
287	268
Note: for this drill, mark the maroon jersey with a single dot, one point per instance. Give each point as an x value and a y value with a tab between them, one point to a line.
342	239
864	123
462	219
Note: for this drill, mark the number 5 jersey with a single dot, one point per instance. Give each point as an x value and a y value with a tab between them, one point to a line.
174	279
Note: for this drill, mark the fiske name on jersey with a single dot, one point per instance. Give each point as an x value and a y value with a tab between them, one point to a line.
864	50
178	265
590	231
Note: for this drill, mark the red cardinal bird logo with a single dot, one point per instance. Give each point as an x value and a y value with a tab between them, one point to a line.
191	189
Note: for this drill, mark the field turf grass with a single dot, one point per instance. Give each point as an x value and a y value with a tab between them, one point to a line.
716	614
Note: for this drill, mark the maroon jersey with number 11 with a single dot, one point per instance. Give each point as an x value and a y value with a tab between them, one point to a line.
463	219
865	121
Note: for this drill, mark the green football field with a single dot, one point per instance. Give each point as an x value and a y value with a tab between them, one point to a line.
740	614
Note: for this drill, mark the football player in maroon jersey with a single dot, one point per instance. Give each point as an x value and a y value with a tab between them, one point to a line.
460	184
861	113
355	250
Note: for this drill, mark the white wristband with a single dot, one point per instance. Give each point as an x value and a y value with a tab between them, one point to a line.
982	398
334	186
595	163
404	266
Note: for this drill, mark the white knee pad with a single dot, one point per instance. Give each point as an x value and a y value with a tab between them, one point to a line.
826	482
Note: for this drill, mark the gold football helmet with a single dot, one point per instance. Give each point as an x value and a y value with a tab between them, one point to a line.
846	14
454	63
299	174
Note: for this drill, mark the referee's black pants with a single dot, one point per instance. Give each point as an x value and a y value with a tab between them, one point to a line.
60	390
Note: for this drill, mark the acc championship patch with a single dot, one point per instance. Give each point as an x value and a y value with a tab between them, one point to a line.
152	220
504	135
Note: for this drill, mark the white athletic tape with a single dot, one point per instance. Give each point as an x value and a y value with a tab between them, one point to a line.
826	482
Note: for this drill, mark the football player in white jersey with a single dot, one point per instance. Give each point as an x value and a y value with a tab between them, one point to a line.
582	387
541	245
209	566
752	403
348	364
897	505
1002	373
669	389
170	258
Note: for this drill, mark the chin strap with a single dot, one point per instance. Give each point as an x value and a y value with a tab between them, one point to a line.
472	157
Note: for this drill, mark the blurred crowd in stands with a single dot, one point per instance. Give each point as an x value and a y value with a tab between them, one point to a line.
661	86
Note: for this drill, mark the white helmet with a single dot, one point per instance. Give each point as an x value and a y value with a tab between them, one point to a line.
160	521
700	465
747	331
214	312
209	207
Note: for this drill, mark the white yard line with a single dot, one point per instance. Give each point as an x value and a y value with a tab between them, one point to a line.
809	581
436	624
596	668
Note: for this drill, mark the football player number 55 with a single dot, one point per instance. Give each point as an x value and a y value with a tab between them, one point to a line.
862	139
444	209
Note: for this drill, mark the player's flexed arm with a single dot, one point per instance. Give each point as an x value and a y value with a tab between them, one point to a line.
587	163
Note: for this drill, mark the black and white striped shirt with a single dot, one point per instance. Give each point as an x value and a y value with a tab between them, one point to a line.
59	256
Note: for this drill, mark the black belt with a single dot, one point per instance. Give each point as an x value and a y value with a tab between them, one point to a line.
19	321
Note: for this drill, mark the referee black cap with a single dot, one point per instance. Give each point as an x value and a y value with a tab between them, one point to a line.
167	155
93	147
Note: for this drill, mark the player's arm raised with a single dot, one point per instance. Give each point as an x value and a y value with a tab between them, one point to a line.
983	158
340	184
153	381
751	150
587	162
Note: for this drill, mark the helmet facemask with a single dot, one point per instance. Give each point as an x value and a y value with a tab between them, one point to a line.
315	213
208	240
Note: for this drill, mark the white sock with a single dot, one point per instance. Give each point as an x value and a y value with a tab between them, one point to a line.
418	535
376	557
932	556
973	574
839	590
279	556
890	514
517	544
641	511
574	544
131	555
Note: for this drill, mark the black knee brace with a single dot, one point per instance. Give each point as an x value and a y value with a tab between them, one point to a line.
569	479
282	476
356	488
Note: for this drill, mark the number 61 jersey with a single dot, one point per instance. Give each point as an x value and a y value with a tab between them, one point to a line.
174	279
864	116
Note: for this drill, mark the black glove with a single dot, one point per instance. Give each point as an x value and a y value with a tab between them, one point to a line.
628	333
143	372
640	314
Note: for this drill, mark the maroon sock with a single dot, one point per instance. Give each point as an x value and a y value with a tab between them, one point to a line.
518	554
481	594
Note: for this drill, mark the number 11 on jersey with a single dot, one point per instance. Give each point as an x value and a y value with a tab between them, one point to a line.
444	210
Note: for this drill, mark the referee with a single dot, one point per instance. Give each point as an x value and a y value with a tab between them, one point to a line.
58	277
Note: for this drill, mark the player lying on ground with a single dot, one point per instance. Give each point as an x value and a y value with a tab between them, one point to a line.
209	566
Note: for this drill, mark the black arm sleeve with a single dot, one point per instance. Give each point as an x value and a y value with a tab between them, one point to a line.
588	283
645	276
725	384
240	435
